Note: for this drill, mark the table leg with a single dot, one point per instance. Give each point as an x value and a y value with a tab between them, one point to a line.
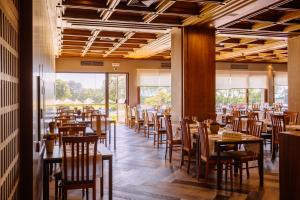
109	134
45	181
219	168
115	136
110	179
197	159
261	165
101	180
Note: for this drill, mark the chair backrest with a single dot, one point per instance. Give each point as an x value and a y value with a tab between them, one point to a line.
70	131
99	124
137	114
77	154
204	142
236	124
253	115
186	134
229	120
64	119
292	117
268	113
52	127
254	127
236	113
278	126
169	127
75	124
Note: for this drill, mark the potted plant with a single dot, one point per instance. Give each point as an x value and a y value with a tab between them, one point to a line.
49	142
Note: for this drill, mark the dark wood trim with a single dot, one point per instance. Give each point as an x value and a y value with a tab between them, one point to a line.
26	99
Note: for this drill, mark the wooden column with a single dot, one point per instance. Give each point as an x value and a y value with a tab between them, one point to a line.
293	74
196	57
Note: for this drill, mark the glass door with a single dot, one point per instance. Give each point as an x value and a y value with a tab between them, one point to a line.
117	96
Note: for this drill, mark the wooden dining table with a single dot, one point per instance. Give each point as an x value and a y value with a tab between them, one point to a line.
56	158
218	141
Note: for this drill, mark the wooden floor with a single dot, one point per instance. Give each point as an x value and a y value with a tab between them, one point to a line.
141	172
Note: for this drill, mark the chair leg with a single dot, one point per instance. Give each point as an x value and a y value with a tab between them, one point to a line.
154	136
87	194
170	153
182	159
94	193
226	172
56	188
166	151
206	170
231	177
247	168
241	173
189	162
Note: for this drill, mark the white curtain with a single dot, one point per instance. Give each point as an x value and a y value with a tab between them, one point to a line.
241	80
281	79
153	77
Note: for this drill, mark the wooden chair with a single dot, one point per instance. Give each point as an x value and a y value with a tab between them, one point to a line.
253	115
278	126
131	118
138	122
211	159
236	124
70	131
159	131
99	125
291	117
171	141
52	126
78	172
236	113
64	119
148	123
254	128
187	148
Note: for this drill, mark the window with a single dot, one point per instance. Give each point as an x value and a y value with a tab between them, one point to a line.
155	87
240	88
79	89
281	87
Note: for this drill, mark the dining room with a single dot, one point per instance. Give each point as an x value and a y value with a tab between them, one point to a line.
154	99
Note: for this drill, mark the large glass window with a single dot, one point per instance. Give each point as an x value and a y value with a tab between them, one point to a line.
155	87
281	88
80	89
234	88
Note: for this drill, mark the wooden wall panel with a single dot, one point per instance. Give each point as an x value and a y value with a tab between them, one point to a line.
9	100
199	71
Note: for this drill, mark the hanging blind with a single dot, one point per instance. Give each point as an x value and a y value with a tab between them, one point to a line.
241	80
281	79
154	77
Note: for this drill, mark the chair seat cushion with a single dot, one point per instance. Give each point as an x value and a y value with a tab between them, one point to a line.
243	155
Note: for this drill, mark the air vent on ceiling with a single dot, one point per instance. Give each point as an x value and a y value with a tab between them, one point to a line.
166	65
239	66
141	3
91	63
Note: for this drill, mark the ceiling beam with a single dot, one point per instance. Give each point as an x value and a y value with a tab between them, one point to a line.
121	41
162	44
160	8
90	42
253	50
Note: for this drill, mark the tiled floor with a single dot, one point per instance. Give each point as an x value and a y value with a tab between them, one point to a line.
140	172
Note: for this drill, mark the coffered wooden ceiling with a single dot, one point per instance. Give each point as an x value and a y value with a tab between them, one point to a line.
247	30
